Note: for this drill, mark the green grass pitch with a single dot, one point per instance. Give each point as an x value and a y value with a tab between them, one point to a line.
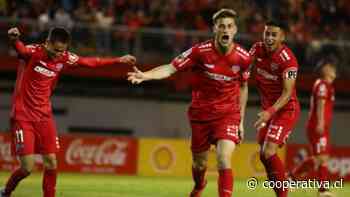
89	185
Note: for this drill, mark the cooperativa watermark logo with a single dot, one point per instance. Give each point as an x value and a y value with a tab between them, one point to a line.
253	183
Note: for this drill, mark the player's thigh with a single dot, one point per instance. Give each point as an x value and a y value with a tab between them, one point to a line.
226	128
23	137
47	137
200	138
281	126
225	148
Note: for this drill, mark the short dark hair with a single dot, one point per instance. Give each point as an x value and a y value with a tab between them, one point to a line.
59	34
323	62
224	12
277	23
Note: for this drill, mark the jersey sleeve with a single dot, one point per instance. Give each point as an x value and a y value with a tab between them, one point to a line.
254	50
186	59
245	65
24	51
91	62
289	65
321	91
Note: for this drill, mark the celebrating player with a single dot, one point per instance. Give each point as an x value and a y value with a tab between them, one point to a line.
219	95
318	126
275	69
32	125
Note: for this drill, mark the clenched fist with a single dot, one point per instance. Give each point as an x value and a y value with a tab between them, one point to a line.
13	33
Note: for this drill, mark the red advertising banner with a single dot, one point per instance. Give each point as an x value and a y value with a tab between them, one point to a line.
85	153
338	165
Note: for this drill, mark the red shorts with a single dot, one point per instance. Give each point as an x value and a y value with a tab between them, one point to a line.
205	133
278	129
319	143
34	137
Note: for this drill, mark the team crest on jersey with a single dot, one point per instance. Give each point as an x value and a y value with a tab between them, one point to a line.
59	66
274	66
235	68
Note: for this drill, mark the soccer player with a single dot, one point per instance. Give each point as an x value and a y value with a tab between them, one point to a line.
275	69
219	94
32	124
318	126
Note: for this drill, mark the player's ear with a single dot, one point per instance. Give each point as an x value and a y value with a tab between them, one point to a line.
283	36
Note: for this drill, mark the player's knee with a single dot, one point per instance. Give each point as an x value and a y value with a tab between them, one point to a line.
199	164
50	163
322	160
223	161
269	152
27	170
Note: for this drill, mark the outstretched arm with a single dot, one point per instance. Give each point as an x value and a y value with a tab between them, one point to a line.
21	49
156	73
93	62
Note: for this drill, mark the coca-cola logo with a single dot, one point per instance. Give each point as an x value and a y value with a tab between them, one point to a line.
109	152
5	150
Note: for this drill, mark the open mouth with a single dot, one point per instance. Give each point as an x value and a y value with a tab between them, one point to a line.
225	38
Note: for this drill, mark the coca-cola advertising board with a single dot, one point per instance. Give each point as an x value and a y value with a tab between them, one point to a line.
338	164
85	153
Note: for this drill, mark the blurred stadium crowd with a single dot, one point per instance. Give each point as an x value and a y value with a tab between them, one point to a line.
318	27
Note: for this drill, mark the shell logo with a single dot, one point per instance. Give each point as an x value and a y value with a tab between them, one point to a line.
162	158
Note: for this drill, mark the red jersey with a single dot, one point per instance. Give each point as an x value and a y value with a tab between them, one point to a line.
270	70
321	90
37	78
215	80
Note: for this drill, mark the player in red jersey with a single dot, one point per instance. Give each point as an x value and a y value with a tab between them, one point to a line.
318	126
219	95
275	69
32	125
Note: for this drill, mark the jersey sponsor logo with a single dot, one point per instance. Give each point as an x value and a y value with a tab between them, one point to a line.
266	74
72	58
291	73
235	68
218	77
209	65
44	71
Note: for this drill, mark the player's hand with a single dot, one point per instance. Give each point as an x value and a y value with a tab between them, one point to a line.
241	132
263	118
137	76
13	33
128	59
